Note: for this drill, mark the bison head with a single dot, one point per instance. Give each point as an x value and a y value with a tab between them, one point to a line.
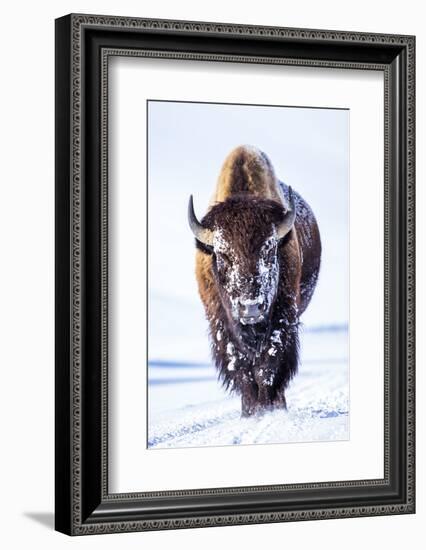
243	234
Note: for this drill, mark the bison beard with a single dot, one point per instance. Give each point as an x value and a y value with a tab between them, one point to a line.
258	256
266	359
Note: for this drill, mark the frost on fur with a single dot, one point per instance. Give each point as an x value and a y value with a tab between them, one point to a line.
256	277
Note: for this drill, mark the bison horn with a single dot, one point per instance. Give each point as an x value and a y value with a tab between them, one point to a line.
288	221
201	233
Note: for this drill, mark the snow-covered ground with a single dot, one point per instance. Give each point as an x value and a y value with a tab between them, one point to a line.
189	408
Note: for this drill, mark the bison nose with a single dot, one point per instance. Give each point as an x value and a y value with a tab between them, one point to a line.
251	311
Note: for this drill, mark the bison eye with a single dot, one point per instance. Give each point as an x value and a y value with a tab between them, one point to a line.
269	255
223	259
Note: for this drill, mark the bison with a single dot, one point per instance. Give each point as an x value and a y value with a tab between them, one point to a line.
258	253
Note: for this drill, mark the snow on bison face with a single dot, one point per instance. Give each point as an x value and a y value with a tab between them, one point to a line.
248	279
243	234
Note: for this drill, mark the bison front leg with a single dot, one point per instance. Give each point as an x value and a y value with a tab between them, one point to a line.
249	402
279	400
265	379
270	398
270	394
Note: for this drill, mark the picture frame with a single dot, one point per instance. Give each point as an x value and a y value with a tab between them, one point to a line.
83	503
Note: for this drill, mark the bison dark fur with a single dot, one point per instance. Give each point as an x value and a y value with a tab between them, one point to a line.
257	265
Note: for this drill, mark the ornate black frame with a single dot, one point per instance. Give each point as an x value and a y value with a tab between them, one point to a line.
83	45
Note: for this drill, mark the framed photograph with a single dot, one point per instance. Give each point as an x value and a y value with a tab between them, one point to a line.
234	274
